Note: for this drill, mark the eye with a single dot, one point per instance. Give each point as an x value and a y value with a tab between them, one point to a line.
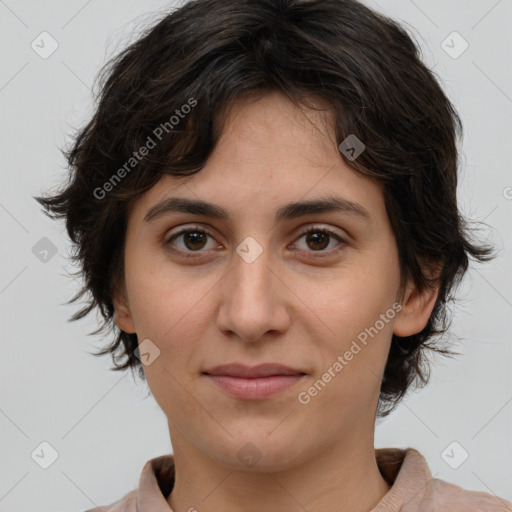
317	239
194	239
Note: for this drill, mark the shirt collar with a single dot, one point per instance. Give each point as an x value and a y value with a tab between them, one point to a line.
408	474
405	470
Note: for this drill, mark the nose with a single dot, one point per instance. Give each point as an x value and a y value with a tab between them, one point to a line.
254	299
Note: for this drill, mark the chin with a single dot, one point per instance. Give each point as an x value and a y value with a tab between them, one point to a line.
259	453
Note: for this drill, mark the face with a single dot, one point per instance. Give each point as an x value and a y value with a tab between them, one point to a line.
252	286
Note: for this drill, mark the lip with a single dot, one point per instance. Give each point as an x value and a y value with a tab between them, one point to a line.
258	388
254	383
250	372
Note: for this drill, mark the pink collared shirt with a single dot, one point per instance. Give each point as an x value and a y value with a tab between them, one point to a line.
412	488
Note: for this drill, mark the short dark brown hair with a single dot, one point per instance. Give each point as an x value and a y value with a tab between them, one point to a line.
178	81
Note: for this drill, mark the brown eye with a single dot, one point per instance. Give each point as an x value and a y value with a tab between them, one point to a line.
318	239
193	240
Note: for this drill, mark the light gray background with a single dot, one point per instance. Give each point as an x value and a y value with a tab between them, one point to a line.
98	421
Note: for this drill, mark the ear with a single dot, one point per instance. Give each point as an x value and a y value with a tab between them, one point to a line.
416	308
122	314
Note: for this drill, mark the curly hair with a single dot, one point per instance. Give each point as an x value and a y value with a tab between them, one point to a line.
166	97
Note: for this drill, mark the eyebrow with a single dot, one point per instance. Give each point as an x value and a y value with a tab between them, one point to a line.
287	212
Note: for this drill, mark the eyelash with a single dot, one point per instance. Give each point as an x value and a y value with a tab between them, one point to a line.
189	254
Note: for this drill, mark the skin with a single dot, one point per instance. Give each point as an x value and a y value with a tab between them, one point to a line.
290	306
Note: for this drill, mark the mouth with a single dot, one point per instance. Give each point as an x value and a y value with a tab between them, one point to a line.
249	372
254	383
257	388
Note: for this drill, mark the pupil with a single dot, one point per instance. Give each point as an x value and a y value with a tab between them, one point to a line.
194	236
315	235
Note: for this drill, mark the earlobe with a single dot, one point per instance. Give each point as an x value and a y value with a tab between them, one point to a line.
417	307
122	315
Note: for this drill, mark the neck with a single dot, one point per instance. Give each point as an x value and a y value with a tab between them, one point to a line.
340	478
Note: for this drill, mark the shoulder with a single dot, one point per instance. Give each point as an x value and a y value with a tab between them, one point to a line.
125	504
155	482
456	499
414	490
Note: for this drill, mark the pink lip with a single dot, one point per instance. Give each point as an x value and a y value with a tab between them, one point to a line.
257	388
253	383
248	372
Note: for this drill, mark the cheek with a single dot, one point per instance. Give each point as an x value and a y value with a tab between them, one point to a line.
167	309
162	296
171	308
359	310
358	296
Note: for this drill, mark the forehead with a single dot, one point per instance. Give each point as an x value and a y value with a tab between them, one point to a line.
270	153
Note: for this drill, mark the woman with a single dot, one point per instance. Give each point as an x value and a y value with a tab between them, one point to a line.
264	206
